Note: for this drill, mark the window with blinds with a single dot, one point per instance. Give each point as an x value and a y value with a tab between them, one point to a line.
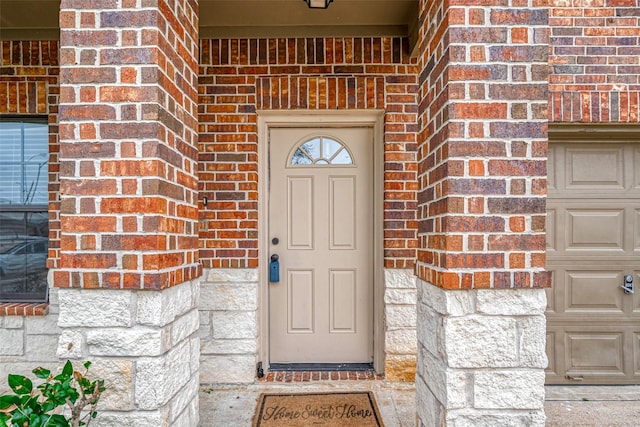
24	221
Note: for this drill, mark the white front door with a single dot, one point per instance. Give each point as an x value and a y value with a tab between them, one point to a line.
321	228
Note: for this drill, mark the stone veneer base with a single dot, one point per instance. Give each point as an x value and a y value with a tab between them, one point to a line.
144	344
481	357
229	327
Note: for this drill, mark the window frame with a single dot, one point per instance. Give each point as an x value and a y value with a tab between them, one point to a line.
29	297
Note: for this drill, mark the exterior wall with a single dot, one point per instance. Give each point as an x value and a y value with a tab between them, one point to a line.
238	77
481	213
29	341
595	58
229	325
229	330
29	86
485	366
144	344
483	147
400	340
480	164
128	271
128	146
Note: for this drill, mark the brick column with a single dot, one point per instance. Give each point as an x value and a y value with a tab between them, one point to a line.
128	270
481	210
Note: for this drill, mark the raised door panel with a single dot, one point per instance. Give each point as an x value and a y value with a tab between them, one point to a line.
300	212
636	351
594	168
342	299
594	229
593	292
342	221
636	230
594	353
300	301
552	244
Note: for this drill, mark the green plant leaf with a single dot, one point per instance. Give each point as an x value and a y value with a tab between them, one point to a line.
20	385
87	364
34	406
20	419
48	406
7	400
66	373
68	369
42	373
25	399
58	421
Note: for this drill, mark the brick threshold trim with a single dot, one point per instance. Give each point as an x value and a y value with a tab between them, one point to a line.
24	308
311	376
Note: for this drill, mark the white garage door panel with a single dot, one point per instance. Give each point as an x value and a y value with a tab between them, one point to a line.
593	231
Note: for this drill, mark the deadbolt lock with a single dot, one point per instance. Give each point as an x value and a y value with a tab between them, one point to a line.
628	284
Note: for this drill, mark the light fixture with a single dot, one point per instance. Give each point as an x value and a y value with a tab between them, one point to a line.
318	4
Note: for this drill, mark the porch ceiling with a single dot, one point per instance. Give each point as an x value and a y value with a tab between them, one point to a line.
38	19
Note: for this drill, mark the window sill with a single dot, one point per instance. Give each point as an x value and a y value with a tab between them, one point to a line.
24	308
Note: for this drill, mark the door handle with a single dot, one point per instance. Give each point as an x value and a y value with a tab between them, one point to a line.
628	284
274	269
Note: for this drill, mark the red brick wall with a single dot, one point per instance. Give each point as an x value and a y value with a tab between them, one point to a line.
29	86
482	145
594	78
239	76
595	59
128	145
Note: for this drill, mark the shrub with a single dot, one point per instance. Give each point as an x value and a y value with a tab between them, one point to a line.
43	406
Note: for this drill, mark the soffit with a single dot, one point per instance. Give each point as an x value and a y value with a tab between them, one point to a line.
38	19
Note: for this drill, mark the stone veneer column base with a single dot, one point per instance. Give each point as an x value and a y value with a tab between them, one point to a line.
229	325
144	344
481	357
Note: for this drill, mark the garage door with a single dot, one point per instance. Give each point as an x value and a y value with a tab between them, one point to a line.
593	226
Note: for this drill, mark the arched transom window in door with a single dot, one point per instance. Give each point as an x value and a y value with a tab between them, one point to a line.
321	150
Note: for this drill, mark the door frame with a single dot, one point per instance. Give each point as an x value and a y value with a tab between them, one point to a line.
322	118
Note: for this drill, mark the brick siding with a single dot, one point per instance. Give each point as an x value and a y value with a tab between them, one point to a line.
594	79
240	76
29	86
595	59
482	145
128	131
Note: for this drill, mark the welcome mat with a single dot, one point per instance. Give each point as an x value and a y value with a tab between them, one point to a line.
317	409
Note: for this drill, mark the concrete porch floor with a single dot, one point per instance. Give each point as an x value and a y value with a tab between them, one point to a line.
234	405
